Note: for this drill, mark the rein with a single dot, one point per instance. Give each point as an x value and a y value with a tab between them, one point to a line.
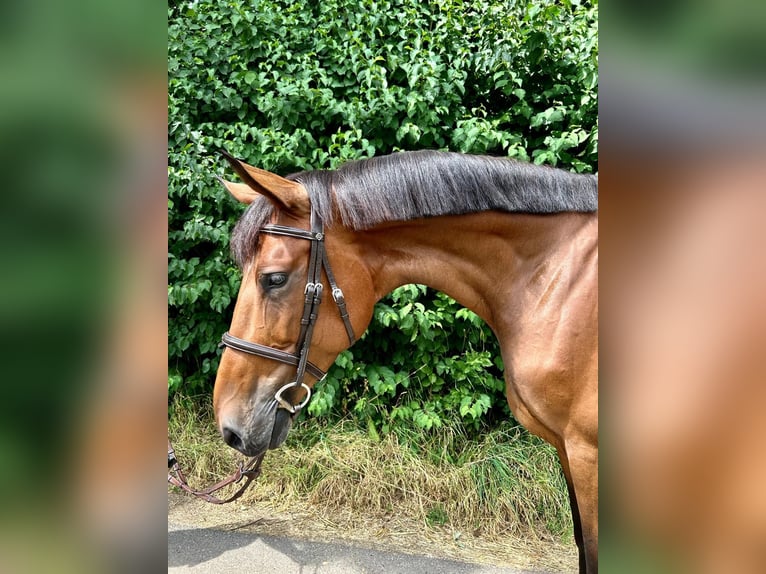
249	472
318	261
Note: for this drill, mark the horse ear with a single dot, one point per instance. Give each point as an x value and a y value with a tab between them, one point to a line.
287	195
239	191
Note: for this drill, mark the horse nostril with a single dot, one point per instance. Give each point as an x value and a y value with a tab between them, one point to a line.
232	438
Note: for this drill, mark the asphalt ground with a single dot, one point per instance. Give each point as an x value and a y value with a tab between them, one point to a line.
211	550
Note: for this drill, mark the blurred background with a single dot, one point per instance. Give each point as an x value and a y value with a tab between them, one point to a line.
683	284
82	286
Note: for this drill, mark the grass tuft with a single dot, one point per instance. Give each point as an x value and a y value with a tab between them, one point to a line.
505	482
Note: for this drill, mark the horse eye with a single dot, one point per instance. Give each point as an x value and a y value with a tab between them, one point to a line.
273	280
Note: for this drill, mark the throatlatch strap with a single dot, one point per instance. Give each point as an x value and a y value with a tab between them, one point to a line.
339	298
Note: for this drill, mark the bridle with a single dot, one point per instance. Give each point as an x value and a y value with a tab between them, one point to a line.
318	261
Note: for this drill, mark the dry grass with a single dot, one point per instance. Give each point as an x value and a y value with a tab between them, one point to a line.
506	488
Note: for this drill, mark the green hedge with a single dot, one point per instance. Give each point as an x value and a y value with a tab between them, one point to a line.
307	85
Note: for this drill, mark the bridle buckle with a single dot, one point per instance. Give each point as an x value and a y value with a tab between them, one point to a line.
337	296
313	290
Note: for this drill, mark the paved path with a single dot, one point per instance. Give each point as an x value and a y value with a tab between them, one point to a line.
207	550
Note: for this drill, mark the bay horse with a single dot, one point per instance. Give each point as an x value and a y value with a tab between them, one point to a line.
516	243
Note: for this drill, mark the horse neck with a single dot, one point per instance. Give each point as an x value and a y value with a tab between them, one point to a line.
486	261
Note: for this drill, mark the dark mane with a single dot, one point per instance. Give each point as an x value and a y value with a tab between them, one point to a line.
411	185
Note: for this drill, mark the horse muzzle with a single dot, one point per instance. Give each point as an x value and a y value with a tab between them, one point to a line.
254	437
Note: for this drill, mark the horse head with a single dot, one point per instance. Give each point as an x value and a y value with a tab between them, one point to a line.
279	344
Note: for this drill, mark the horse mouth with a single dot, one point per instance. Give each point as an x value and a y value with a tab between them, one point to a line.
283	422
